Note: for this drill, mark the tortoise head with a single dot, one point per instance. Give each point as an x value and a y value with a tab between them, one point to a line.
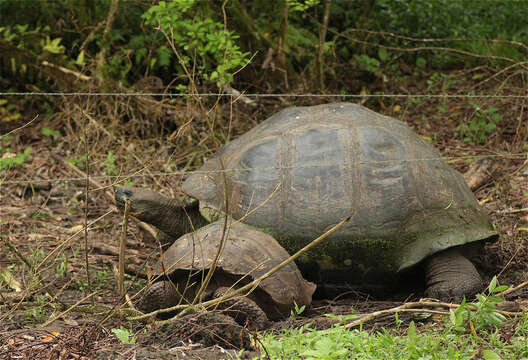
172	216
146	205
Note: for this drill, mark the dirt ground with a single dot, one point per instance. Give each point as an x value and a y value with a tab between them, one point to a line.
44	207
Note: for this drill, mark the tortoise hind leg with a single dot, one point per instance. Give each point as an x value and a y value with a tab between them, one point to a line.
451	276
245	311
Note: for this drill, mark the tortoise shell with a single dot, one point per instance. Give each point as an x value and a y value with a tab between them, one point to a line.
304	169
246	255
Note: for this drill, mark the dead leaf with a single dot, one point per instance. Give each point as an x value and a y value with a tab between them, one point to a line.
10	280
71	322
51	336
75	229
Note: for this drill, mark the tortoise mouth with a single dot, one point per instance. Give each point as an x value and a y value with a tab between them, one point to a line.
121	195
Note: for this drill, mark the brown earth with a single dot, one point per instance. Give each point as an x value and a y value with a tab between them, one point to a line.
44	207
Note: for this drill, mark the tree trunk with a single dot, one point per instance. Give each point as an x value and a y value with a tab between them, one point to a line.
322	37
105	44
281	58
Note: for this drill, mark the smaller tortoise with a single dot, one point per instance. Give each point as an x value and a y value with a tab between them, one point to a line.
303	170
247	254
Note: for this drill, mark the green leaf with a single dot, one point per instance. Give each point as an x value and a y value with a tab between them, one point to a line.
411	332
50	132
124	335
495	299
492	284
500	288
490	355
80	59
383	54
496	117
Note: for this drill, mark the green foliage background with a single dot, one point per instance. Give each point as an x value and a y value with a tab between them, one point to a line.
214	40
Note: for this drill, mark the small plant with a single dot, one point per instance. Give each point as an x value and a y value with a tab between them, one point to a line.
124	335
37	255
110	166
302	6
40	215
100	279
480	314
36	314
8	159
8	112
78	161
367	63
481	125
297	310
213	48
50	132
62	266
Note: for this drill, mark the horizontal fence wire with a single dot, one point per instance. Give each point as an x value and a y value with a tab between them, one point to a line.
138	173
123	177
253	95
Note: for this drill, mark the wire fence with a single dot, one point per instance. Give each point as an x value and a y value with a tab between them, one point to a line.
141	173
253	95
118	178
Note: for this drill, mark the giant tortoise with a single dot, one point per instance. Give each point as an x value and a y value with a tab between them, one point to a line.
303	170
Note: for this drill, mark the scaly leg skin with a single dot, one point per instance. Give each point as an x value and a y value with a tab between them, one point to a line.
160	295
450	276
244	310
164	294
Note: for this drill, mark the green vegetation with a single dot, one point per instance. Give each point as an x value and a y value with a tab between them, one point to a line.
110	166
205	42
481	125
36	314
473	328
46	131
80	161
253	46
124	335
339	343
9	159
211	42
98	280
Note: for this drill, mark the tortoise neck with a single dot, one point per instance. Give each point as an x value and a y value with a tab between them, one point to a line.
179	219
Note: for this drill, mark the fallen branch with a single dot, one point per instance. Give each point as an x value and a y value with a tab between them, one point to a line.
512	211
417	306
479	172
513	289
70	308
122	245
67	71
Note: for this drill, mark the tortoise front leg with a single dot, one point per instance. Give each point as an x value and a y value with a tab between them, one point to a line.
159	295
164	294
451	276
